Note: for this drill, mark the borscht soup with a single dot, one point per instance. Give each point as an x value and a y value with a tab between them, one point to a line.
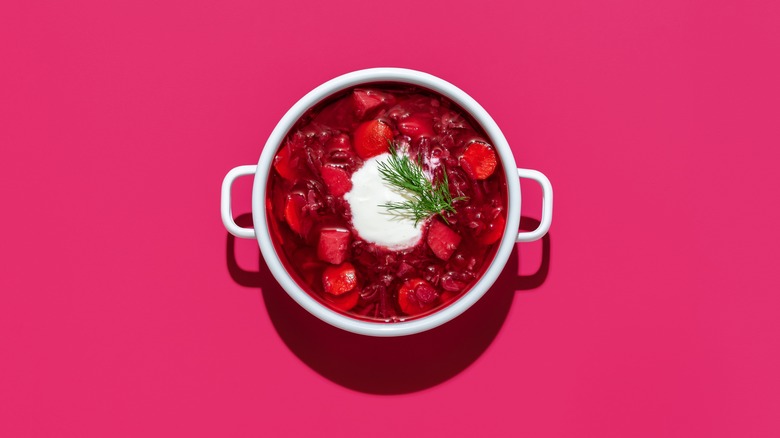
386	202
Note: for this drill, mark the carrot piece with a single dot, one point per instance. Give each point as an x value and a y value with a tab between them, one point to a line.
372	138
338	280
479	160
416	296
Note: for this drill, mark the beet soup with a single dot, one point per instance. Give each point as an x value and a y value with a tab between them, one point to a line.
386	202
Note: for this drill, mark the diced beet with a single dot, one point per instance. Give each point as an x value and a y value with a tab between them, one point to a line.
417	125
416	296
345	301
337	115
365	101
336	179
372	138
479	160
287	165
339	279
442	240
492	231
293	212
333	245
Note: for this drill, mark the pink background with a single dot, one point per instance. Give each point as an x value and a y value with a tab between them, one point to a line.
650	310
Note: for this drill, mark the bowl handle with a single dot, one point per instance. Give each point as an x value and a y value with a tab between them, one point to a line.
547	205
225	204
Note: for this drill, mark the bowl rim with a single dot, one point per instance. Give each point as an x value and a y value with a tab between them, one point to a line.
327	89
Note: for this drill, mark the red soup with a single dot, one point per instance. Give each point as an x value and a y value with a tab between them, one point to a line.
386	202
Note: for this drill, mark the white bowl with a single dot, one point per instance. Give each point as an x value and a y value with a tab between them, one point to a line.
398	75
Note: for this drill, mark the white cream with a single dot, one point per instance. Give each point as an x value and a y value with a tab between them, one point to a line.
372	222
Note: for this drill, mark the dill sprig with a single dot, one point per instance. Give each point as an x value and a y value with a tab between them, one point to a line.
425	199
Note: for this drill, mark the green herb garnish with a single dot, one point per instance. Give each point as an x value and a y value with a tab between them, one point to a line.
425	199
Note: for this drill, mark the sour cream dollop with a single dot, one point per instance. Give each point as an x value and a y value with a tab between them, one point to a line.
374	223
